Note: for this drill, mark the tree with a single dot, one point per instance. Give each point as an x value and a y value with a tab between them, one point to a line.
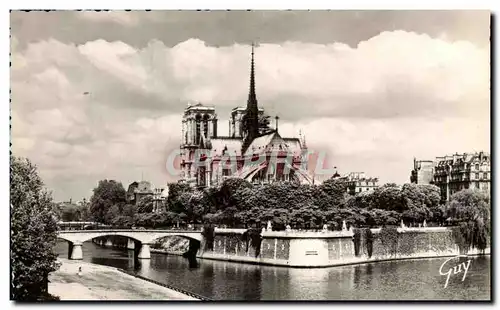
83	212
388	197
106	194
336	189
33	233
145	204
432	195
415	210
194	204
471	209
379	217
307	216
112	214
229	188
470	204
129	210
175	190
438	214
122	215
170	218
149	220
69	213
364	200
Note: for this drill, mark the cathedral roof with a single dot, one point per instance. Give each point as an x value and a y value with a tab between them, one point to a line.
250	169
294	145
268	142
272	141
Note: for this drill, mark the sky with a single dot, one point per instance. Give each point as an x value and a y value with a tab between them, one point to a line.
100	95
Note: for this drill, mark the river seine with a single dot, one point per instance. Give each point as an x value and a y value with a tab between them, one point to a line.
418	279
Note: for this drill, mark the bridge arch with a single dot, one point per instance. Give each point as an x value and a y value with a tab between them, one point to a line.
184	236
89	235
142	239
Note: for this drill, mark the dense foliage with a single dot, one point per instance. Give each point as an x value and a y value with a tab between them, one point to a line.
71	212
33	233
108	195
238	203
145	204
368	241
389	238
471	211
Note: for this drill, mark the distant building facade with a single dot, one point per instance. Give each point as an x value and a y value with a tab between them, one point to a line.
138	190
358	182
159	198
423	172
453	173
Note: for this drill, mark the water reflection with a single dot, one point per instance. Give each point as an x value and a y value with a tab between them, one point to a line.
193	262
143	264
208	278
357	274
131	260
406	280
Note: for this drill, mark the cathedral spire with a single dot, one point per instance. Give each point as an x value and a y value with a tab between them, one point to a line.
252	98
252	111
252	107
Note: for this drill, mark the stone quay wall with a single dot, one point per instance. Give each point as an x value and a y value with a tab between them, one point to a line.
323	249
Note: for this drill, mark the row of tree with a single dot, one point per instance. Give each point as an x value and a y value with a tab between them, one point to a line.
238	203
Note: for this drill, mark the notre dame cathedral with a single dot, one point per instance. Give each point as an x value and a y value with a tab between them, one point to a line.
252	151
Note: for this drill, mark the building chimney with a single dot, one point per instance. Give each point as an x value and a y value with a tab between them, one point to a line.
277	118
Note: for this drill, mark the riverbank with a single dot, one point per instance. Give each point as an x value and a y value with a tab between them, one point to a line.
325	249
96	282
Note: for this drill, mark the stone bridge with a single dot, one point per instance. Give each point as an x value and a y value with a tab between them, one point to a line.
142	238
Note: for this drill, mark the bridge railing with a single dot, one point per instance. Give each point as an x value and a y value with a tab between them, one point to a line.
80	226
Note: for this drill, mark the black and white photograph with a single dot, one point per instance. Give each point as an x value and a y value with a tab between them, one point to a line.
250	155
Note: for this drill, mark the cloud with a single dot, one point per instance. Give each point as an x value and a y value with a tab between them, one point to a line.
119	17
222	28
110	110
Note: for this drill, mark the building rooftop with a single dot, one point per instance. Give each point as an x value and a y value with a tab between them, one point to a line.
358	176
462	158
230	146
199	106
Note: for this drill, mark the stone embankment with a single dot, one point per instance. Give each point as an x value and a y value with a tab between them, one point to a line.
96	282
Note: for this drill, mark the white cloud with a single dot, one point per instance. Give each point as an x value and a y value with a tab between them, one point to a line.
108	110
